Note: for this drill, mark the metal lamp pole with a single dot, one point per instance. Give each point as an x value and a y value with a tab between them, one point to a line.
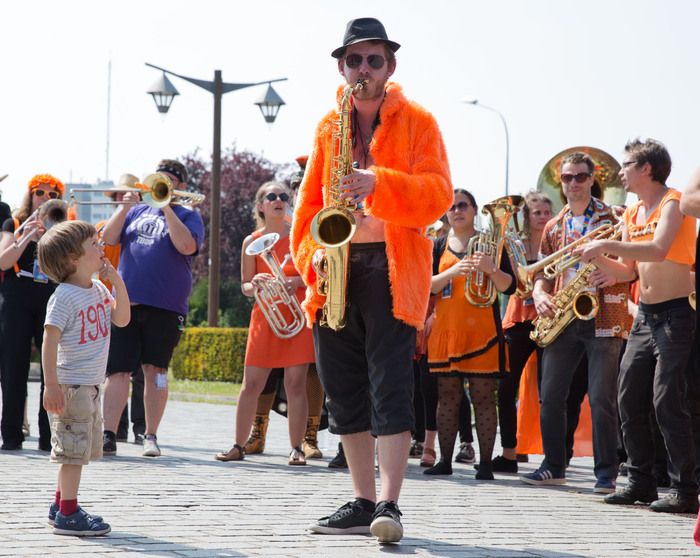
163	93
475	102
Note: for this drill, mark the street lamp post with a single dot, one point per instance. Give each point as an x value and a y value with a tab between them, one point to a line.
475	102
163	92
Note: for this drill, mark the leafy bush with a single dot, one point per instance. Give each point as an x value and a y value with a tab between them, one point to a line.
210	354
234	306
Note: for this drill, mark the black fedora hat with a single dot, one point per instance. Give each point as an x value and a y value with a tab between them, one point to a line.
364	29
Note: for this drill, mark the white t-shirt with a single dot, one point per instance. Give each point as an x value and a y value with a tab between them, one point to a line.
84	317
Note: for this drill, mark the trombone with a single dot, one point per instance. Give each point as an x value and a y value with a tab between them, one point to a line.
156	191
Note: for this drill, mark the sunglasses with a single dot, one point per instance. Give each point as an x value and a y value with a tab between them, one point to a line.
462	206
41	193
580	177
354	61
272	197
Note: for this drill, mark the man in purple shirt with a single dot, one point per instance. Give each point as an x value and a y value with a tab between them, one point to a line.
158	245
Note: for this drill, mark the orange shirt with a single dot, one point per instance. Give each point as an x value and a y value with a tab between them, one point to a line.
682	250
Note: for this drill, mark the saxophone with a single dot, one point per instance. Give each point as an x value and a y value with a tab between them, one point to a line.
334	226
573	301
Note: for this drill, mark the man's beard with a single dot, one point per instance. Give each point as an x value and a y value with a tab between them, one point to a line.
372	90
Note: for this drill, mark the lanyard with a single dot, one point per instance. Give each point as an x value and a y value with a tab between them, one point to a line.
571	233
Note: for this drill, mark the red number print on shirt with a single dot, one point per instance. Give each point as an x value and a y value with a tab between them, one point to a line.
97	323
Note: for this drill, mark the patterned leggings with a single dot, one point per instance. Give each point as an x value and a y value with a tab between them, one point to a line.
483	395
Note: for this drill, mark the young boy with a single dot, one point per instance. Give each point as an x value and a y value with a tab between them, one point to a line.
74	357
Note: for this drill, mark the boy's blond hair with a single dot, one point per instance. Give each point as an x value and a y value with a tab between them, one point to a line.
61	244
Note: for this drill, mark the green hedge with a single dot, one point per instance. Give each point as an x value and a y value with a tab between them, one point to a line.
210	354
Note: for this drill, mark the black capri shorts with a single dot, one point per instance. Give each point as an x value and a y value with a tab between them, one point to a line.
150	338
366	368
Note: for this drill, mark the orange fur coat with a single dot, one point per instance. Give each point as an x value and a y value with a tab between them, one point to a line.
412	190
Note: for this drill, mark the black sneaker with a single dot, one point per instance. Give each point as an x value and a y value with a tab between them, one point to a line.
386	525
353	518
504	465
339	461
630	495
139	438
676	503
109	443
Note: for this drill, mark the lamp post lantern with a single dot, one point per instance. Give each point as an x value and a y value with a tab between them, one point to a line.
163	92
475	102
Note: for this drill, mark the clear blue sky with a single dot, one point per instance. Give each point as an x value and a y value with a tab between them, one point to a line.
563	73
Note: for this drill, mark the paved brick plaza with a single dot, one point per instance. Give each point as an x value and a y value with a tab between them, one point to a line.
187	504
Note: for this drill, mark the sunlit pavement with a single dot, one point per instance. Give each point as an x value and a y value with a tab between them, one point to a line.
187	504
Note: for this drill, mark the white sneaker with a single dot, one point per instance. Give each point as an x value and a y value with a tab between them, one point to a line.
150	446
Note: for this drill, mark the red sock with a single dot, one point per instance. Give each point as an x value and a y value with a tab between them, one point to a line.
57	499
68	507
696	532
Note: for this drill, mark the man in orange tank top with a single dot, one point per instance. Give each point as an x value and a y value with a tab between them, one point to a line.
658	244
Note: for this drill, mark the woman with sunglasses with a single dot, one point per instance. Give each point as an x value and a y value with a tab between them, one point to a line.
517	324
466	341
265	350
26	292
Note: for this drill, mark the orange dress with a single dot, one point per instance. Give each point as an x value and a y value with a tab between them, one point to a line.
465	339
264	348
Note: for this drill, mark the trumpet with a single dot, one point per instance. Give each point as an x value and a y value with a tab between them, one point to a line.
156	191
49	213
273	296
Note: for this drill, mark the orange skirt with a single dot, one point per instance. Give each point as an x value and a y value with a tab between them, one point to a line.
265	350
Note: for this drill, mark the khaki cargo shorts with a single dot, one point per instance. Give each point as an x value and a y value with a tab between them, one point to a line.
76	434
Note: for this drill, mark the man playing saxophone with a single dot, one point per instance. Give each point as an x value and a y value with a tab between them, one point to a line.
599	339
659	244
396	168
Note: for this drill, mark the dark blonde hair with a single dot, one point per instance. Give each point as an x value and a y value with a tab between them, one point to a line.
258	215
533	196
60	244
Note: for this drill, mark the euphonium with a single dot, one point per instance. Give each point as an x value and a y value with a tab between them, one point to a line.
479	290
572	301
273	297
334	226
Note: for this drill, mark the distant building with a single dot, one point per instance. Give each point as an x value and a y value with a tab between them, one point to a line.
91	213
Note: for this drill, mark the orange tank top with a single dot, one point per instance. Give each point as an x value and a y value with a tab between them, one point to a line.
682	250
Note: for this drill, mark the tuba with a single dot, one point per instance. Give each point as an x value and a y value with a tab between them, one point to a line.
573	300
479	290
334	226
612	192
273	296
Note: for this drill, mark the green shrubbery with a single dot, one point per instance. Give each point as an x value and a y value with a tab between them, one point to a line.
234	306
210	354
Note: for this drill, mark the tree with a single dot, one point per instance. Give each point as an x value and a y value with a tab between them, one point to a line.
242	173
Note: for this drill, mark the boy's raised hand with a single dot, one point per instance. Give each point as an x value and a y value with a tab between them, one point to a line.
108	272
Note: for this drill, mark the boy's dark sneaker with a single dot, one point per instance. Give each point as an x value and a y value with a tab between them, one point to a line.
53	510
386	524
676	503
139	438
630	495
109	443
80	524
353	518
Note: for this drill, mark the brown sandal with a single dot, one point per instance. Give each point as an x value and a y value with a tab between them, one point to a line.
296	457
428	458
236	453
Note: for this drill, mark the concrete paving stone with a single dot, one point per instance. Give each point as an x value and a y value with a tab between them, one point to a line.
187	504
